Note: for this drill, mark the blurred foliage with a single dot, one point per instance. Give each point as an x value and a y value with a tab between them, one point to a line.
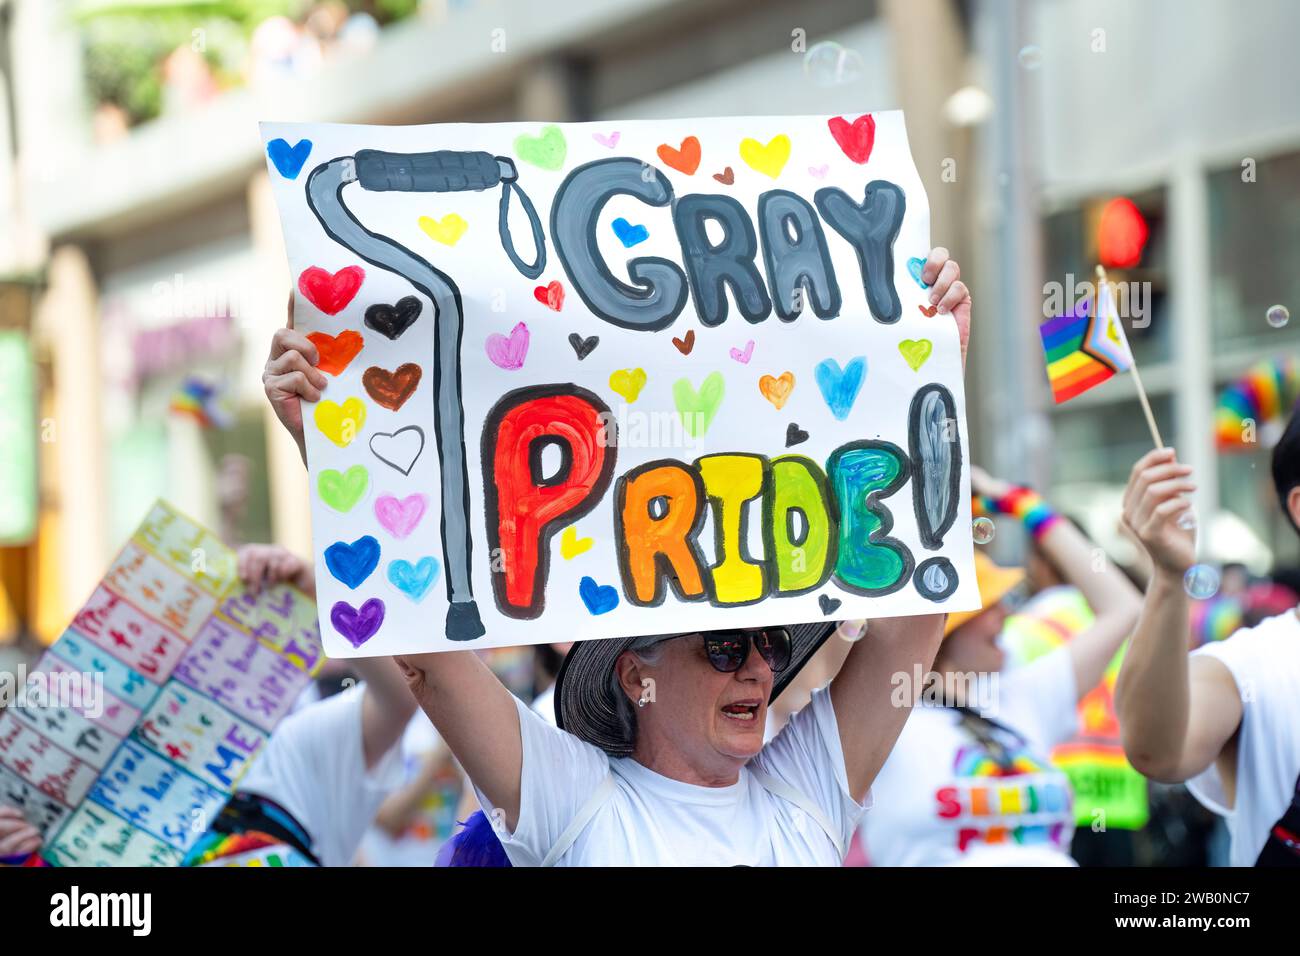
126	41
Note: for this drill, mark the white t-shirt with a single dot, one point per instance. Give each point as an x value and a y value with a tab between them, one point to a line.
436	819
652	820
942	800
314	766
543	705
1265	662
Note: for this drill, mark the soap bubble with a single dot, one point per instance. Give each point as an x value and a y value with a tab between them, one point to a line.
982	530
1277	316
831	64
1031	57
1187	520
1201	581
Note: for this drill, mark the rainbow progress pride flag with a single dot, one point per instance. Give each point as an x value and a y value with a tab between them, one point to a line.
1084	350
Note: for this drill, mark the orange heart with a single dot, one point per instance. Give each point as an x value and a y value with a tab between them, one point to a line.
777	390
391	389
336	351
928	311
686	344
685	160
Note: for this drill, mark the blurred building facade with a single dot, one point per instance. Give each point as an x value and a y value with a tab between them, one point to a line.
148	258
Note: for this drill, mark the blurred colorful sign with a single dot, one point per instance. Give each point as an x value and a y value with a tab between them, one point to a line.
1107	790
18	439
131	732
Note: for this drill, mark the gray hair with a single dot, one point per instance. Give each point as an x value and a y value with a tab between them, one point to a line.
651	653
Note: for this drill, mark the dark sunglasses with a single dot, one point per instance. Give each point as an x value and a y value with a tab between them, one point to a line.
728	650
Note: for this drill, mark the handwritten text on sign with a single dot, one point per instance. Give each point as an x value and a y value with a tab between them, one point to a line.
621	378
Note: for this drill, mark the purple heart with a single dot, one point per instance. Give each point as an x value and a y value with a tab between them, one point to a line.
357	626
743	357
509	352
820	171
399	518
609	141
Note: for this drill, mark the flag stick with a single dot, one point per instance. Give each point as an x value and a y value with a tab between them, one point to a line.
1133	367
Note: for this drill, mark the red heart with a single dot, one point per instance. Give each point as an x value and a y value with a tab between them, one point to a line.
330	293
855	140
928	311
551	296
336	351
726	177
686	159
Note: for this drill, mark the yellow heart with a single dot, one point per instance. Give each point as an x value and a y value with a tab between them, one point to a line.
340	423
571	545
915	351
448	230
628	382
768	160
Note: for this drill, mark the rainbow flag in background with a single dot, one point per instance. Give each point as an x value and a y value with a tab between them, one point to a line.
1084	350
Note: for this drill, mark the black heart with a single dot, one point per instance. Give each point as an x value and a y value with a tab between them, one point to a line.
393	320
828	604
794	435
583	347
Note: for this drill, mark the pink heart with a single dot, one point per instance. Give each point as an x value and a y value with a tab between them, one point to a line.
509	352
399	518
819	171
743	357
609	141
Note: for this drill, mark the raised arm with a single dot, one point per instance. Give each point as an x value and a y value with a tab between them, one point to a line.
1176	715
862	693
1114	601
472	710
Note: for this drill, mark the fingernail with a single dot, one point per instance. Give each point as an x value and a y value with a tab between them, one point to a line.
934	298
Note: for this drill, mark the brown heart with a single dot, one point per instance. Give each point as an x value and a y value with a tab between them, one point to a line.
685	345
726	177
391	389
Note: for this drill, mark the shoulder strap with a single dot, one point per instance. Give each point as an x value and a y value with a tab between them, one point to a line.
580	820
782	789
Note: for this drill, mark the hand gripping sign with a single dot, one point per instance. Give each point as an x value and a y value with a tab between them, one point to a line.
583	434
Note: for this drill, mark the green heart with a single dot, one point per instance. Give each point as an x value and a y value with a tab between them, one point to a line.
343	490
546	151
915	351
698	408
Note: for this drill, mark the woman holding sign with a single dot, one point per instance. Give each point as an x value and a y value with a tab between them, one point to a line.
659	758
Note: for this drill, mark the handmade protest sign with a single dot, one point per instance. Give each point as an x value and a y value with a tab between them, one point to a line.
621	378
135	726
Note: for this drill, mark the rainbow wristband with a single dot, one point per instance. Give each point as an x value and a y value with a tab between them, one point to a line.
1024	504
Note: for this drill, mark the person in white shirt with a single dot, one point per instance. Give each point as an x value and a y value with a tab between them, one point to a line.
659	757
969	781
1226	718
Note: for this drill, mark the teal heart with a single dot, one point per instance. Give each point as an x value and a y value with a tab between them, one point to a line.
547	150
915	266
413	580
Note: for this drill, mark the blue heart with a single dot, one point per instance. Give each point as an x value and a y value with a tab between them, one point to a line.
413	580
599	598
629	234
915	266
840	388
353	563
288	159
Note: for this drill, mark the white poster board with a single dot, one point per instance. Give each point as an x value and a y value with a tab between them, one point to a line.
599	379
